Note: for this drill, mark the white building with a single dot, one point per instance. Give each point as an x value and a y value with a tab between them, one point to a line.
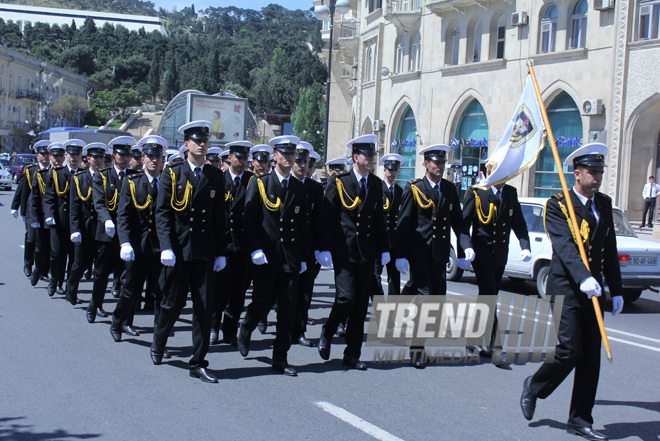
22	14
421	72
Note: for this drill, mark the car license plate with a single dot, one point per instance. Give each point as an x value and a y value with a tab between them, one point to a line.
643	261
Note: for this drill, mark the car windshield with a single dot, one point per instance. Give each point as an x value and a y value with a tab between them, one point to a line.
621	224
28	159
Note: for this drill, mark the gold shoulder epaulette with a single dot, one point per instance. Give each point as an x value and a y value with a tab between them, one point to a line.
558	196
80	172
414	181
105	169
61	167
135	175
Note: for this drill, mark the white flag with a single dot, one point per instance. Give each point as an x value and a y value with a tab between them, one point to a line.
521	144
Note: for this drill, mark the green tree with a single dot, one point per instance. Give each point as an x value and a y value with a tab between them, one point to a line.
153	79
307	117
118	100
171	86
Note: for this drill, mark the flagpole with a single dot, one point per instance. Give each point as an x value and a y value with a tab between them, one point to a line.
571	210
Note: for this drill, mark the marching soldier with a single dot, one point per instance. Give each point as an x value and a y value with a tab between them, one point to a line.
492	214
353	236
391	203
314	192
276	237
35	209
213	156
261	154
314	159
579	337
190	220
429	208
83	217
233	282
136	158
56	205
337	165
136	228
224	157
107	185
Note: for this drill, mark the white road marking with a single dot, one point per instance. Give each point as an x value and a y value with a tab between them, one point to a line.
357	422
632	343
629	334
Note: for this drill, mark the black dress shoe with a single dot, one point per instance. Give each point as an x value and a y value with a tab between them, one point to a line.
128	330
115	293
166	354
71	298
60	290
88	274
354	363
262	326
304	341
27	270
324	347
116	334
341	330
201	373
91	315
586	432
44	279
34	278
231	339
51	291
528	400
214	337
101	312
283	368
310	322
156	355
243	340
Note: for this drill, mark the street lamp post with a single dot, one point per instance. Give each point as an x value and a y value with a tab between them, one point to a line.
323	12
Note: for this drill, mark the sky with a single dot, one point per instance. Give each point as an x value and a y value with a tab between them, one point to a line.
252	4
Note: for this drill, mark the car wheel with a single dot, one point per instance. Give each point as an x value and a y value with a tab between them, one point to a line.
542	280
454	273
631	294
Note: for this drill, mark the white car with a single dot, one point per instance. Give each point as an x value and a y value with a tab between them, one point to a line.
639	259
5	178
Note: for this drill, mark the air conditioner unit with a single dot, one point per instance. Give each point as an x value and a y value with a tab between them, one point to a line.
602	5
519	18
592	107
378	125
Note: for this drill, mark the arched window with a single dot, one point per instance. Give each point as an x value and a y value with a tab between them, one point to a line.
501	37
649	19
398	56
405	144
369	63
415	53
475	55
455	41
579	25
566	123
472	145
548	29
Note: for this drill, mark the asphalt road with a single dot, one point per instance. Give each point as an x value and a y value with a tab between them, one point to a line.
62	378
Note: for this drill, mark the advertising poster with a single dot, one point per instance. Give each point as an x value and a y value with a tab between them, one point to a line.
225	113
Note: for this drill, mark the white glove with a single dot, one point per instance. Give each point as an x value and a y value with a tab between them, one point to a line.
76	237
325	259
385	258
464	264
50	221
126	252
525	255
316	255
303	267
259	258
220	263
14	213
402	265
109	228
617	304
167	257
35	224
590	287
469	254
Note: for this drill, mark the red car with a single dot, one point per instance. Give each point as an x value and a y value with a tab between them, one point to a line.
18	162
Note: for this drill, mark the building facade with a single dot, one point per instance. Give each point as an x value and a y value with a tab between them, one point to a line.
422	72
28	89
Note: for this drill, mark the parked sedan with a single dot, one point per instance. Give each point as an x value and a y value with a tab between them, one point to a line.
18	162
639	259
5	178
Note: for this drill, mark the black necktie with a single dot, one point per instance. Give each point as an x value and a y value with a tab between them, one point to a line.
121	175
284	187
591	218
237	181
153	190
499	198
363	188
392	192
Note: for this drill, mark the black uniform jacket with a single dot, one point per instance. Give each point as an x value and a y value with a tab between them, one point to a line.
235	206
392	212
192	223
566	268
423	234
23	189
355	235
281	233
107	186
493	237
56	200
83	218
35	205
136	215
314	192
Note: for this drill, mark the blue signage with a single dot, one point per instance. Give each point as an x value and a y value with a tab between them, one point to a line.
468	143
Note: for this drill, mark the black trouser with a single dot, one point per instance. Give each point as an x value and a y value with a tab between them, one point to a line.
61	255
28	253
649	206
42	251
177	280
231	284
107	262
270	287
83	257
354	284
393	279
578	347
305	293
132	280
488	272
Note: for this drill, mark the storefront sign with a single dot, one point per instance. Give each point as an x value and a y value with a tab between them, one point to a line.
568	142
468	143
403	143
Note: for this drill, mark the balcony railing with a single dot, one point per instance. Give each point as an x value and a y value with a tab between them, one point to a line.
348	29
394	6
28	94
